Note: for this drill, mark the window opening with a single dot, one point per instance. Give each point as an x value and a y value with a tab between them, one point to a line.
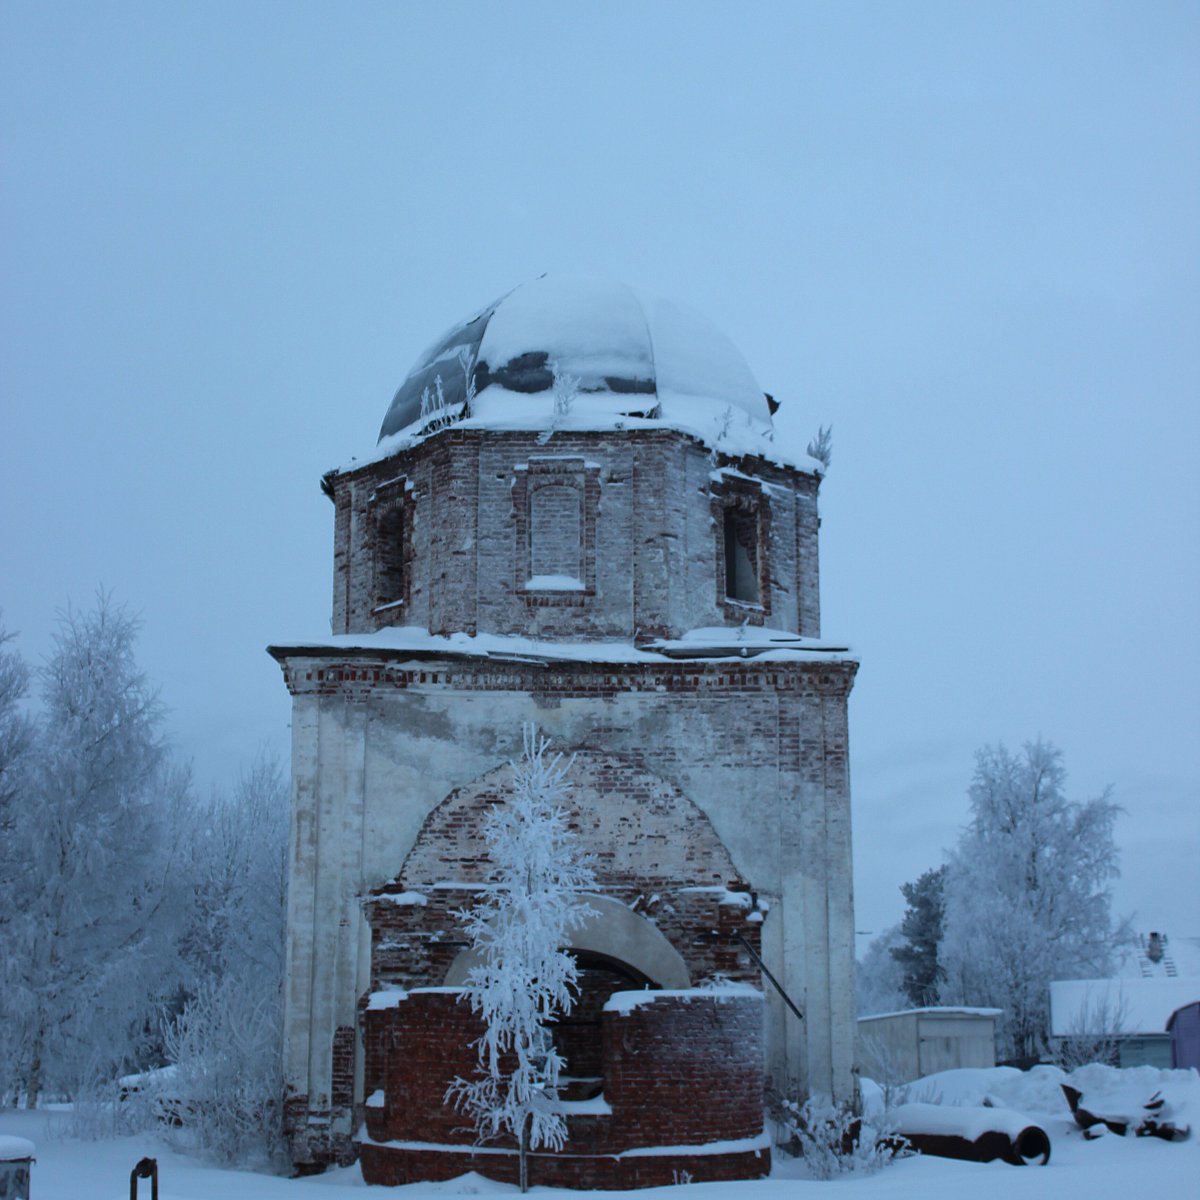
741	556
389	559
577	1036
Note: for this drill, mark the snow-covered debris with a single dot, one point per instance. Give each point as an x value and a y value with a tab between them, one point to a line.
14	1149
1140	1101
1111	1090
979	1134
1149	1119
969	1121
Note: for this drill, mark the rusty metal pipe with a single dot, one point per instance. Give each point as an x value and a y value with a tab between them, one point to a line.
146	1169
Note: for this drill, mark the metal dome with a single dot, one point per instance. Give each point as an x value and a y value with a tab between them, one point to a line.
624	353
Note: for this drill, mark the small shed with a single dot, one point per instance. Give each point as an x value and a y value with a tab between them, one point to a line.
898	1047
1184	1027
16	1158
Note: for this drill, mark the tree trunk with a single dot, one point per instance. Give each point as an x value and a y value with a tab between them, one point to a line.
35	1072
524	1155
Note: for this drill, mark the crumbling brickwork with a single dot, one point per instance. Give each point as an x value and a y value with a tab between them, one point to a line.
678	1070
639	527
712	786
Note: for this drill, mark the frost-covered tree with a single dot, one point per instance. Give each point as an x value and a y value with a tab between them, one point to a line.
565	389
524	979
88	945
1027	892
226	1043
921	931
15	744
16	732
16	737
878	977
236	863
821	446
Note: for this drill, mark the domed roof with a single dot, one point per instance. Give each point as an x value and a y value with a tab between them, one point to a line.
615	353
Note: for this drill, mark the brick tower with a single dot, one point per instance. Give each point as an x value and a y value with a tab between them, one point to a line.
575	516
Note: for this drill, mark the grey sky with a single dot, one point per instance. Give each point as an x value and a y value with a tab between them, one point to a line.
965	235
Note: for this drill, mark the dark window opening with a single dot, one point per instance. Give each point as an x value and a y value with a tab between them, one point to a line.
389	559
741	556
577	1035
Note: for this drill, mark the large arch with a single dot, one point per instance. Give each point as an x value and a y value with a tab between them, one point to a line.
644	834
665	911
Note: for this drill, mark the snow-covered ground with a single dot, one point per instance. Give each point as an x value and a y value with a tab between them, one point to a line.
1110	1168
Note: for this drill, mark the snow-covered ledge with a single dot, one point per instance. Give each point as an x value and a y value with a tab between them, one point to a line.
722	641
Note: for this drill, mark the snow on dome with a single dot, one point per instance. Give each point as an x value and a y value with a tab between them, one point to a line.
627	354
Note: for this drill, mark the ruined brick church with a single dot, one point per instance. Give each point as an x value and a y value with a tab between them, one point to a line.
576	515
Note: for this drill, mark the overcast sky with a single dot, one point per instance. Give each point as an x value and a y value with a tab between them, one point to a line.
965	235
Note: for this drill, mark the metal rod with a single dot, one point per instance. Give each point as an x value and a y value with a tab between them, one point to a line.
762	966
146	1169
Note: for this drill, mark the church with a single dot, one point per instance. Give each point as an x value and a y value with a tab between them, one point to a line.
576	516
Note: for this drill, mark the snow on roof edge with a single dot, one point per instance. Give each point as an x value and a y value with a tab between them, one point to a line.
408	439
1128	1007
762	645
957	1010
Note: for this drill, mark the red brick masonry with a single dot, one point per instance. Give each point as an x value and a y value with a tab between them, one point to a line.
682	1093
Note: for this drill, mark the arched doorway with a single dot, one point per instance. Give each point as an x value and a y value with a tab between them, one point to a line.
615	950
577	1036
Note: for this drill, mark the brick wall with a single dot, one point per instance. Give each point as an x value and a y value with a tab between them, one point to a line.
485	511
342	1093
679	1070
749	756
653	850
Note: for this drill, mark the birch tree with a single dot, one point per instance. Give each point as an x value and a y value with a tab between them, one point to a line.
88	942
524	979
1027	896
